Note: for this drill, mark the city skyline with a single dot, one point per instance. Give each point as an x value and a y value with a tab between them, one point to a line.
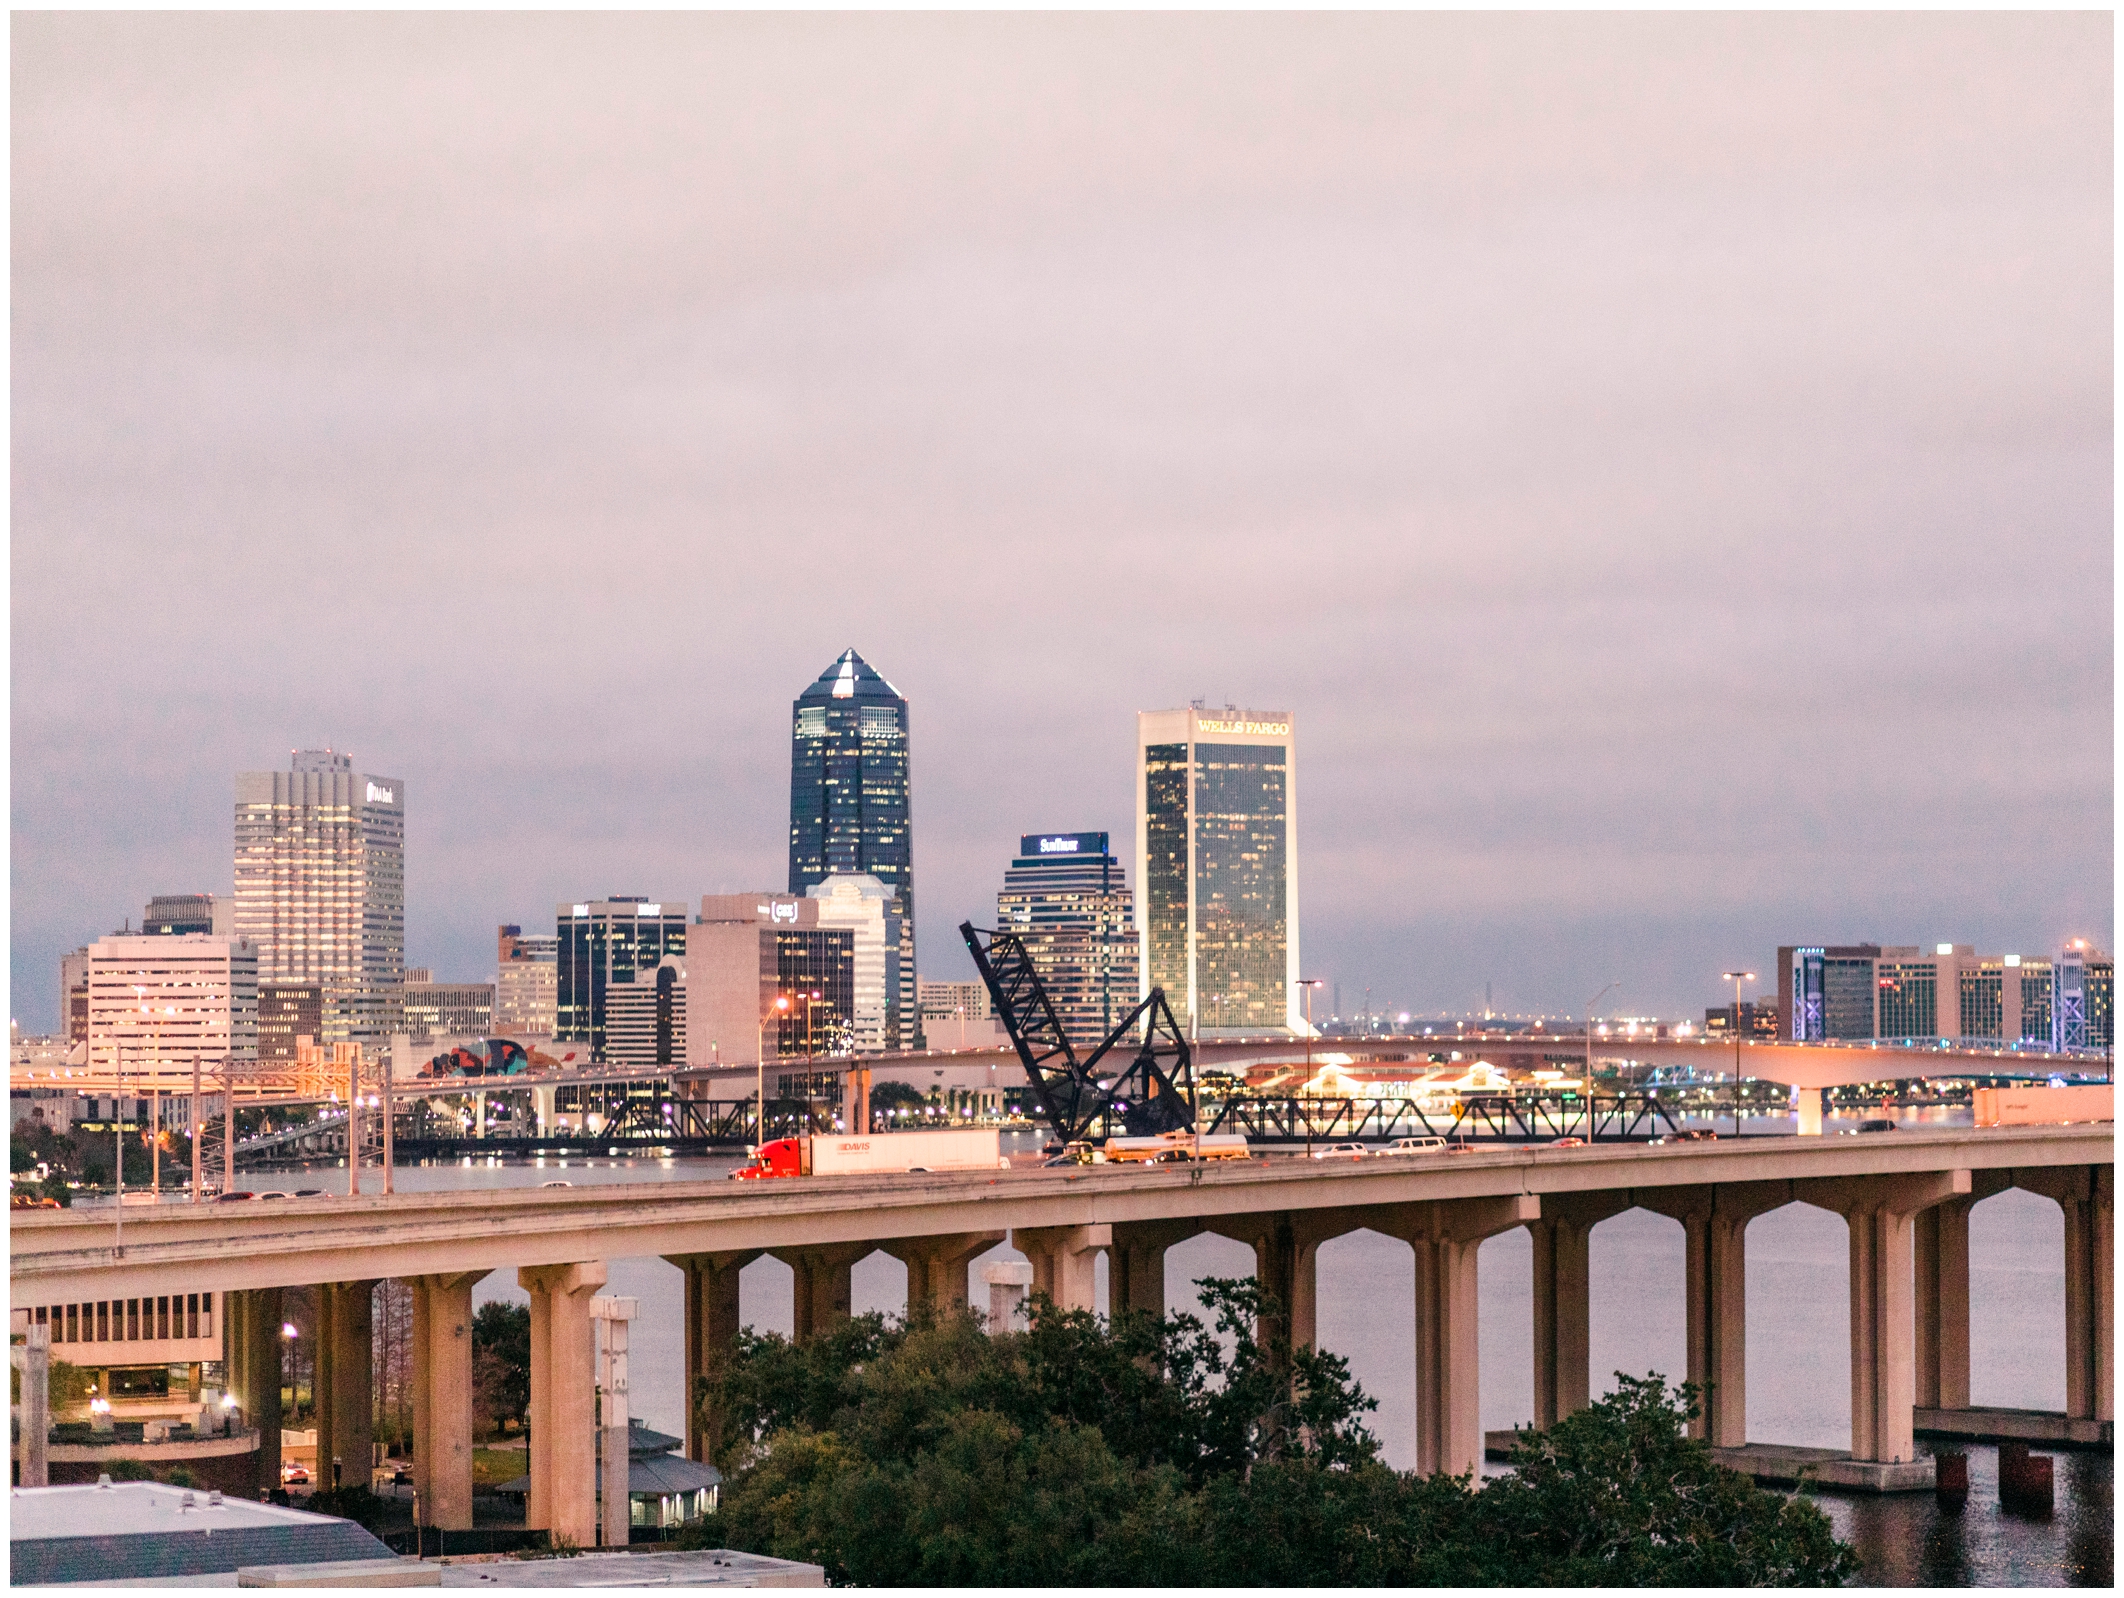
1628	443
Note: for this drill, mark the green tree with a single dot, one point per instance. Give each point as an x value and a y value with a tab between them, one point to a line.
1146	1451
501	1361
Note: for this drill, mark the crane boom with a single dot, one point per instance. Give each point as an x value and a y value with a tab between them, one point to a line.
1155	1093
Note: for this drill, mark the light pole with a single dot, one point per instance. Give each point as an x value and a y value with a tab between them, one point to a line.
759	1055
1737	978
1309	983
1588	1086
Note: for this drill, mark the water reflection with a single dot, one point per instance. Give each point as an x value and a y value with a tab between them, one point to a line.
1913	1540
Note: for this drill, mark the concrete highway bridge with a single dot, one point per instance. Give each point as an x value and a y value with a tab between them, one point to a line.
1905	1197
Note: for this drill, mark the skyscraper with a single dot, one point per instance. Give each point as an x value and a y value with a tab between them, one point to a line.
1217	865
849	790
321	886
1067	897
603	943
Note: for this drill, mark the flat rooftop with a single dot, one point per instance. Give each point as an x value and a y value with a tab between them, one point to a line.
145	1532
136	1509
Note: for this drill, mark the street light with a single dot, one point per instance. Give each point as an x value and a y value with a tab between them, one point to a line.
1737	978
759	1055
1588	1086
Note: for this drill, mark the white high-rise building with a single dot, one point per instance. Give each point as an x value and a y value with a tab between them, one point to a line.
1217	867
884	980
156	1004
321	886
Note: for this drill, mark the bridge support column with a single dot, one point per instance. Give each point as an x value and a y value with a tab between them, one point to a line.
563	1497
1446	1236
615	1504
1065	1261
1563	1238
252	1354
1940	1245
1880	1211
825	1286
2087	1195
1715	1227
936	1266
442	1398
712	1322
346	1393
1286	1249
1135	1274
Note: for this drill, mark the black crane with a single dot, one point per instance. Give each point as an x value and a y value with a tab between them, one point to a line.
1156	1093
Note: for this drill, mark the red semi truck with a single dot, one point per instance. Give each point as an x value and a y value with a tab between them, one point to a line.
968	1149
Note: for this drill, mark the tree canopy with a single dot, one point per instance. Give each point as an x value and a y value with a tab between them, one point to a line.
1148	1451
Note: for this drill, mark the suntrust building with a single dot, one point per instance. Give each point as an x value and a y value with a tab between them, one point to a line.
1217	866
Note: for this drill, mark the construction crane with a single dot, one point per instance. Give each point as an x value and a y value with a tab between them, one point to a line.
1155	1094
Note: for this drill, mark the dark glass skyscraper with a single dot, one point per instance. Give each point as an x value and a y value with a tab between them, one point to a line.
848	786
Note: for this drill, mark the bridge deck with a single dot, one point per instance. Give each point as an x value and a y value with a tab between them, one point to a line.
59	1256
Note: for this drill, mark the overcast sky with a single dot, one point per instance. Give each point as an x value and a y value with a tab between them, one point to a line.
1664	462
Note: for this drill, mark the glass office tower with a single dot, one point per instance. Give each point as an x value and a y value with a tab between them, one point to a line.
849	808
1216	855
601	944
1067	897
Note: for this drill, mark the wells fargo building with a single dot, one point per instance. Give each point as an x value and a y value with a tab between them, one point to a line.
1217	866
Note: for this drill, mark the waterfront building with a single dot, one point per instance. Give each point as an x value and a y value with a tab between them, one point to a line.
448	1009
1217	864
949	1000
526	983
850	799
321	886
157	1004
1067	897
884	964
174	914
2083	998
600	943
645	1019
748	950
1945	990
287	1013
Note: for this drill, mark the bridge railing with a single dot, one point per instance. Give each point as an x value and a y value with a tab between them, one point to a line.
1494	1117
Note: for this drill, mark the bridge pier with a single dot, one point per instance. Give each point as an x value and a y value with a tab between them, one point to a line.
1135	1275
1286	1247
1563	1292
563	1497
825	1286
1715	1294
1880	1212
1446	1235
346	1393
251	1356
936	1266
1065	1261
712	1321
442	1398
1940	1284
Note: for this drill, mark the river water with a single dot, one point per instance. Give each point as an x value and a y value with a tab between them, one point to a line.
1798	1346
